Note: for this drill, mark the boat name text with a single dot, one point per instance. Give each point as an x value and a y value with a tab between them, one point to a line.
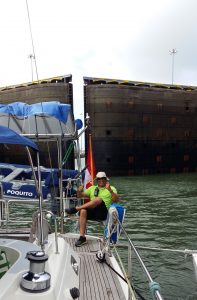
19	193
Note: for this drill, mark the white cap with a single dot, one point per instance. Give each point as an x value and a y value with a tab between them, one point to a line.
101	175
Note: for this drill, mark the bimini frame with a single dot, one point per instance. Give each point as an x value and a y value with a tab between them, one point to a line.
8	136
44	122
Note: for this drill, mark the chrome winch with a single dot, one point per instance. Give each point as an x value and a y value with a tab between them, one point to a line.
36	279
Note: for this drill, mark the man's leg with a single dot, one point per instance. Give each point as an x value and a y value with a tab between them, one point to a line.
82	228
82	221
90	212
90	204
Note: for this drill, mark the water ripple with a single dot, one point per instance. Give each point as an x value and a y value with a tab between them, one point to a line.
161	211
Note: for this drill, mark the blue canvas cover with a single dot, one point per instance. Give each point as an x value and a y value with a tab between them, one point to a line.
20	186
54	109
8	136
43	121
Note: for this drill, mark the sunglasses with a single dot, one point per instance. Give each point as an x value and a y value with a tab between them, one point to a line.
102	178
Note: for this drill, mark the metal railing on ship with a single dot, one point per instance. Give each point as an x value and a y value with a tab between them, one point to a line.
153	285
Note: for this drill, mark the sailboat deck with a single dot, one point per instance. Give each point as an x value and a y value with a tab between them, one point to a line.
97	280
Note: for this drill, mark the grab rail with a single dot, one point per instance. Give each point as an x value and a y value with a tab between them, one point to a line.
55	224
154	286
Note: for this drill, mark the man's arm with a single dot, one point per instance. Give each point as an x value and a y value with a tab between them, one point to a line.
80	193
115	197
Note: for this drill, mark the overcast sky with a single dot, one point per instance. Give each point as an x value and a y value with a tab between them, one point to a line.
124	39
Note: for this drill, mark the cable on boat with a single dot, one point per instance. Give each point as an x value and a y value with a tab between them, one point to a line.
154	288
103	260
186	251
68	153
131	287
32	42
125	280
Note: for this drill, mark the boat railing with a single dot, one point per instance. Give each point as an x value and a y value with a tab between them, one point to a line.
5	205
5	220
113	229
47	215
69	202
56	228
153	285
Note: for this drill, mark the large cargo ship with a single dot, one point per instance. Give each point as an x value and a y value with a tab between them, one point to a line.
142	128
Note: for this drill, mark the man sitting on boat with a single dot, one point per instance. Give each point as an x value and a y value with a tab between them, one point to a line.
101	197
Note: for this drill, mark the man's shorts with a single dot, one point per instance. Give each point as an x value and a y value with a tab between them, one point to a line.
98	213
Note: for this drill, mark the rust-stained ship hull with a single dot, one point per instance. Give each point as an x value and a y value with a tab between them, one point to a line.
142	128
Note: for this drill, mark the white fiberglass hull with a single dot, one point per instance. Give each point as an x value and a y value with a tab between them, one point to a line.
63	277
65	267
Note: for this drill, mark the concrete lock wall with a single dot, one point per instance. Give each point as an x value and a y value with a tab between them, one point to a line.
142	128
137	127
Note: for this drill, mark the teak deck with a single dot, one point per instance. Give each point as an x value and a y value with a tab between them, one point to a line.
97	280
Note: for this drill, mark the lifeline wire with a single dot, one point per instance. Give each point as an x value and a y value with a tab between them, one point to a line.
32	42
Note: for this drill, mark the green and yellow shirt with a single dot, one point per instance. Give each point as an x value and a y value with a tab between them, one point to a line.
104	194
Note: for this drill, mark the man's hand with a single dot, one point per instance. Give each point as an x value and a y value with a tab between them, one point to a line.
80	191
108	187
115	197
80	188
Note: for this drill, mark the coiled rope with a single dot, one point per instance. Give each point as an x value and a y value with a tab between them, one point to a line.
154	286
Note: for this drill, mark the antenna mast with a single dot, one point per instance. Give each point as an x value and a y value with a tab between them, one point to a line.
173	52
